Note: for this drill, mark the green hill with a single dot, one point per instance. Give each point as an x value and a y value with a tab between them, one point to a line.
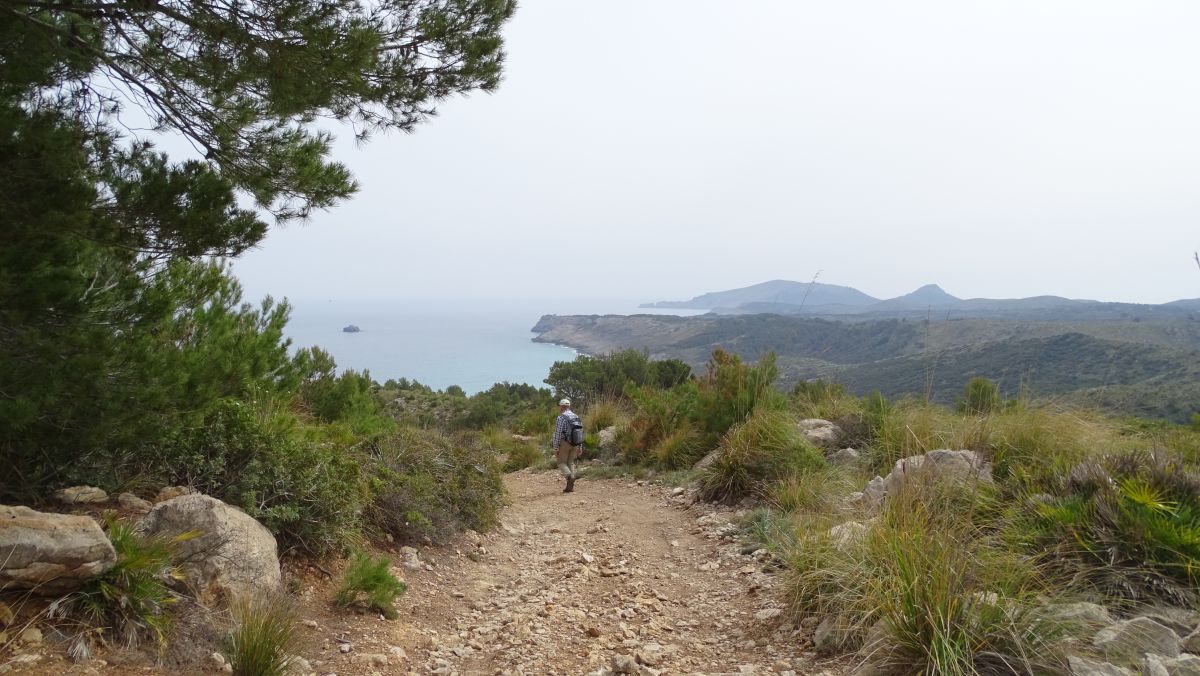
1142	367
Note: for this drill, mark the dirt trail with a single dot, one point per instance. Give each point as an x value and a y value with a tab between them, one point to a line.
619	574
572	582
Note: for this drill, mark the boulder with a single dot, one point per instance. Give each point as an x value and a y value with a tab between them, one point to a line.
1184	665
1078	614
874	492
80	495
172	492
1181	620
830	636
1152	665
50	553
938	465
821	433
1191	643
606	439
1131	639
847	457
707	460
1082	666
133	503
231	554
845	535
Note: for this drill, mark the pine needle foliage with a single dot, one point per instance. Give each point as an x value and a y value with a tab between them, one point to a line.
370	580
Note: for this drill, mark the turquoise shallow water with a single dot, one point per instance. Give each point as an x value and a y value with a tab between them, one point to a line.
469	343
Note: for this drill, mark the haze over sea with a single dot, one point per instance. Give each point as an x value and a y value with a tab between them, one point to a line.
470	343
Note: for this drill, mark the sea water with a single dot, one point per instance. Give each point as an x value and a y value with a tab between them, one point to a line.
469	343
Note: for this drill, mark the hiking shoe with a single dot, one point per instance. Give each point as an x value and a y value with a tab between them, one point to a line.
570	485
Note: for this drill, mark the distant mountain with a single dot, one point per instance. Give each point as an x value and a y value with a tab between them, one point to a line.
793	294
928	296
843	302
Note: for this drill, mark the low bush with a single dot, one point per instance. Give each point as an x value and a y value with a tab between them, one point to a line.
730	391
587	378
429	485
658	414
765	448
263	635
980	397
515	454
310	494
304	483
370	580
1129	525
130	601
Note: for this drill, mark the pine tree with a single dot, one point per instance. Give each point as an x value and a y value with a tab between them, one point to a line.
117	328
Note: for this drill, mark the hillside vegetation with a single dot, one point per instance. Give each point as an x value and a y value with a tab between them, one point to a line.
965	573
928	358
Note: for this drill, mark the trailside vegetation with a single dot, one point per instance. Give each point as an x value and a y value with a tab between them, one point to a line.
942	577
123	338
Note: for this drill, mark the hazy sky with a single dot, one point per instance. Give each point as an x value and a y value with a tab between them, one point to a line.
659	149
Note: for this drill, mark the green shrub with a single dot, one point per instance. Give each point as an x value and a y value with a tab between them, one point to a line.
679	449
538	422
980	397
310	494
371	580
131	599
731	390
658	414
1129	525
429	485
263	635
766	447
517	454
505	403
304	484
589	378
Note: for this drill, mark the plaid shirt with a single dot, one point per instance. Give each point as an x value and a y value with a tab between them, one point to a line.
562	427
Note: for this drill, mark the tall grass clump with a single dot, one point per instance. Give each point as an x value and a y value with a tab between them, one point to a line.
818	490
603	413
925	587
1028	442
680	449
262	636
764	448
130	601
370	580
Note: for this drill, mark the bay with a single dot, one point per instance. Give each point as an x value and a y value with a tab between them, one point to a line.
471	343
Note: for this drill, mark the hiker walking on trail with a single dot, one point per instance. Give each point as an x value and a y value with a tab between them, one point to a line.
567	442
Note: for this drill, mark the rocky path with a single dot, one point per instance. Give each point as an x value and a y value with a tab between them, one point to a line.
618	576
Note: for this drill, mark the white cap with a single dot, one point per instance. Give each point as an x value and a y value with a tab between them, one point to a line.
564	402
